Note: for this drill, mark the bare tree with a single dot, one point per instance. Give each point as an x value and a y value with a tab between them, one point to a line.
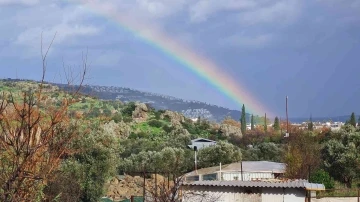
35	135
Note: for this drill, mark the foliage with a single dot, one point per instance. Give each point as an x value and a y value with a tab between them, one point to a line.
155	123
252	122
302	151
352	120
243	120
340	154
222	152
32	132
265	123
264	152
128	109
276	125
323	177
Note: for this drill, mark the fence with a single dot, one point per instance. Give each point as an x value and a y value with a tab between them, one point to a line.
348	192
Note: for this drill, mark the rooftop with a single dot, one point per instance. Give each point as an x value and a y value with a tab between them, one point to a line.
271	184
248	166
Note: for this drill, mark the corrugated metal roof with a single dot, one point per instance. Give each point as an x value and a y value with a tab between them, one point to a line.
273	184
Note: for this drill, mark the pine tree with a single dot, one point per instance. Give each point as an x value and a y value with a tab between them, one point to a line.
252	121
353	119
265	124
243	120
310	124
276	124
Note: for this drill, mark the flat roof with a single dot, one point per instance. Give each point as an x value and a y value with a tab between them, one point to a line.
248	166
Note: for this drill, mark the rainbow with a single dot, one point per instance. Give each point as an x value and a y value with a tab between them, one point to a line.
202	67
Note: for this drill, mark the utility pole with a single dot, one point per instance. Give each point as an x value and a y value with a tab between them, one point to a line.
287	118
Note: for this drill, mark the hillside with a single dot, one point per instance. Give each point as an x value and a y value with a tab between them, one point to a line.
190	108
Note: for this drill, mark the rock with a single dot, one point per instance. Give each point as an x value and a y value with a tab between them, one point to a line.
121	129
180	132
175	117
228	130
140	111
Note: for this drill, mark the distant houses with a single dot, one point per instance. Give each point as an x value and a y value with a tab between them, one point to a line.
200	143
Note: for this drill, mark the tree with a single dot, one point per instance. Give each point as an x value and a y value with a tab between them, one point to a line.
252	122
265	151
310	124
358	122
340	155
352	120
222	152
243	120
83	175
301	151
265	124
35	135
322	177
276	124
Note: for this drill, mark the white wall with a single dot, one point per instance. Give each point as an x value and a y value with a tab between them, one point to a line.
236	194
247	176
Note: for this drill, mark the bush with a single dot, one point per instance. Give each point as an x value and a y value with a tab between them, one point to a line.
127	119
128	109
117	118
167	128
321	176
155	123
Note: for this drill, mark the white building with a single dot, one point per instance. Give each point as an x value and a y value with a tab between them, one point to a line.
244	171
247	181
248	191
200	143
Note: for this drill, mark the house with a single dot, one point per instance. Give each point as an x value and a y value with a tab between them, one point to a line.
253	181
200	143
245	171
252	191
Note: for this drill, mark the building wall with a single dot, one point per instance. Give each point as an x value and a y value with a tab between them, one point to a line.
247	176
236	194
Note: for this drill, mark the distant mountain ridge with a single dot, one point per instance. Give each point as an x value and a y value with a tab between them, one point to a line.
190	108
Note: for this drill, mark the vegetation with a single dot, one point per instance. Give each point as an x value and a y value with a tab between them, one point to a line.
276	124
70	145
243	120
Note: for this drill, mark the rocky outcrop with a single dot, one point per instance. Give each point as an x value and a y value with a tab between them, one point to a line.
178	131
229	130
121	129
175	117
140	111
123	187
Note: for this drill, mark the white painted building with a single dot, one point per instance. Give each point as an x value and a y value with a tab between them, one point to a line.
248	191
241	171
200	143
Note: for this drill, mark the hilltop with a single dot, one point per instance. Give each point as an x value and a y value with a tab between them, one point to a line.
189	108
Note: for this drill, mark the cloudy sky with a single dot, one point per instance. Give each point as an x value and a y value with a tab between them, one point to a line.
306	49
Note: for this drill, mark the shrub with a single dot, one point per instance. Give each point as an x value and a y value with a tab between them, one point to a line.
155	123
321	176
167	128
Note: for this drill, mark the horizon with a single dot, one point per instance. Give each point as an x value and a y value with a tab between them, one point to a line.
271	118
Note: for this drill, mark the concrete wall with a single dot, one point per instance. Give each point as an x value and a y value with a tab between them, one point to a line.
236	194
247	176
335	199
